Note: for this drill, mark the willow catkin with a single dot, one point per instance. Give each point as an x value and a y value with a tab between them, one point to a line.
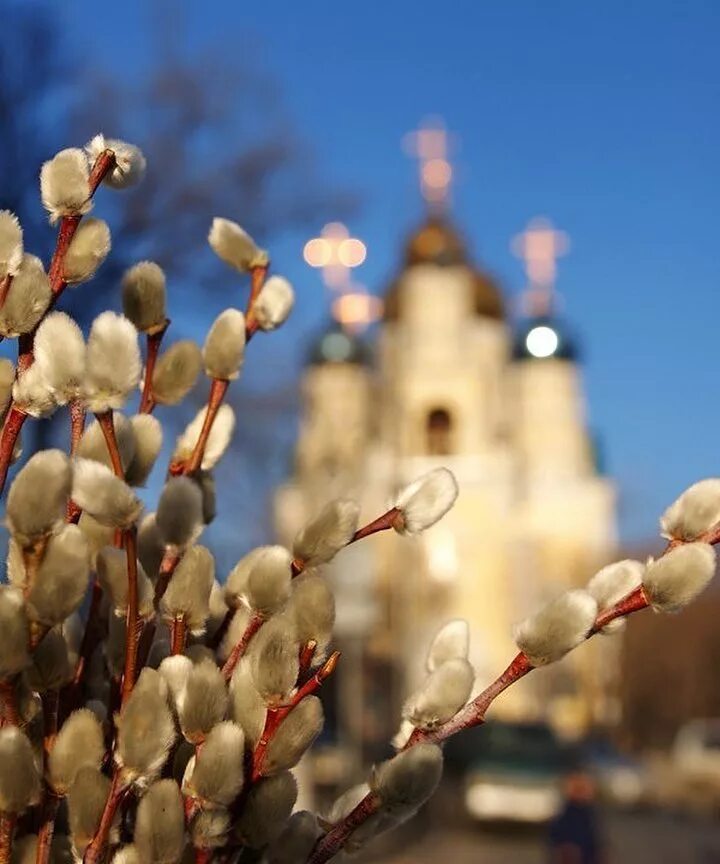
148	436
14	632
267	808
176	372
20	782
62	578
294	736
93	445
27	298
86	800
143	296
160	824
217	772
179	512
38	496
224	349
146	730
203	701
107	498
273	656
51	667
188	592
87	251
79	744
112	573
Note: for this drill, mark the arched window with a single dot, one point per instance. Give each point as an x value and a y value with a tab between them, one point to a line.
438	432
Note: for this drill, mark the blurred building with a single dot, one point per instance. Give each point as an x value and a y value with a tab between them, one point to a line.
452	382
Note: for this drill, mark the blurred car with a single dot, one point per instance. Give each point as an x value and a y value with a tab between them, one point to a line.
514	773
622	781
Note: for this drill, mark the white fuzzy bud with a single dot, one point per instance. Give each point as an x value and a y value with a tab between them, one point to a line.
11	244
405	782
148	436
129	161
7	379
107	498
209	829
203	702
176	372
87	251
86	800
64	185
329	532
235	246
51	668
224	348
188	592
246	704
146	730
175	671
611	584
62	578
236	582
113	362
27	298
143	295
313	609
426	500
442	695
217	442
160	824
295	843
267	808
94	446
38	496
216	773
294	736
151	546
268	583
694	512
452	642
557	628
274	659
60	356
79	744
179	514
274	303
678	577
32	394
20	783
14	633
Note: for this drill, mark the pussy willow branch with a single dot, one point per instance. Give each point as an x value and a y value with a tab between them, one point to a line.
94	852
7	829
107	425
132	619
14	420
147	402
218	389
9	703
50	801
178	634
254	624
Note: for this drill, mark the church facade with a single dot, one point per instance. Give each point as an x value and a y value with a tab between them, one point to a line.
452	381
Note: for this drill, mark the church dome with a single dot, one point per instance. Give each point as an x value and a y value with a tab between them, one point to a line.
437	242
542	338
336	345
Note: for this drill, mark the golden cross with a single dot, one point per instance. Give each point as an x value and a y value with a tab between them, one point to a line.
540	245
335	252
429	145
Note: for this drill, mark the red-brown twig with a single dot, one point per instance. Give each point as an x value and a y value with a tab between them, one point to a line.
147	402
78	413
203	856
307	652
254	624
178	634
9	703
170	561
218	389
5	288
47	828
7	829
275	716
14	420
257	280
107	425
332	842
132	620
94	852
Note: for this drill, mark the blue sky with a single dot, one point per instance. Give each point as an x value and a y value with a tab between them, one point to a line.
605	117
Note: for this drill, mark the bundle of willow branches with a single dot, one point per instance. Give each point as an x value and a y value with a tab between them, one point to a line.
150	713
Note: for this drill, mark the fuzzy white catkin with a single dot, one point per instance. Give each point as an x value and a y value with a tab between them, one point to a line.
235	246
176	372
38	496
274	303
313	609
236	582
405	782
87	251
64	185
267	808
146	730
294	736
129	161
269	579
294	844
247	706
51	668
217	443
330	531
107	498
217	773
224	348
11	244
557	628
160	824
426	500
7	378
179	514
452	642
20	783
27	299
209	829
175	671
611	584
441	696
111	567
86	800
188	592
203	702
59	349
273	655
148	437
79	744
695	511
14	632
678	577
113	362
32	395
62	578
144	296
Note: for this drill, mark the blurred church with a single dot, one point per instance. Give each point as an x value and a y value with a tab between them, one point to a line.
454	379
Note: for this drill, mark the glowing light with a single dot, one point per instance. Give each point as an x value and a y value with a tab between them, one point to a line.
542	341
429	145
317	252
357	310
436	174
351	252
442	554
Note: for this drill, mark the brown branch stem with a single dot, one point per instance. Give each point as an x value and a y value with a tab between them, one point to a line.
47	828
329	845
77	424
9	703
178	634
218	389
254	624
147	402
14	421
7	829
107	425
117	793
132	620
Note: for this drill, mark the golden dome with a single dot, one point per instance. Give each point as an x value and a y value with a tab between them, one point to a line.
437	242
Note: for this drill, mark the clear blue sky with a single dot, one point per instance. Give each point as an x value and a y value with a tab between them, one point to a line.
604	116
